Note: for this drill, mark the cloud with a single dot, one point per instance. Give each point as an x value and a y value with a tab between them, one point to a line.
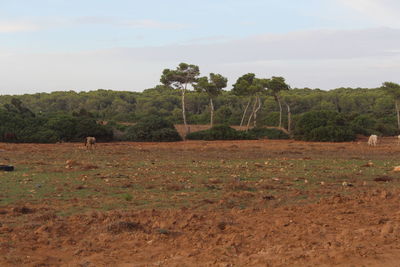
324	59
17	26
142	23
309	45
151	24
37	24
383	12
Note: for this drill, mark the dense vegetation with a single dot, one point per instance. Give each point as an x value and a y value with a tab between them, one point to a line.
307	114
324	126
220	132
19	124
152	129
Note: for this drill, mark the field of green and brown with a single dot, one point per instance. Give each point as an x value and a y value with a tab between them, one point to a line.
199	203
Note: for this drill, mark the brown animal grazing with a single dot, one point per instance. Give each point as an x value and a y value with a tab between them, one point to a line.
90	142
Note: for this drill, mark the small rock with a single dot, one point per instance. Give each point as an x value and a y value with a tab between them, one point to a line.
347	184
385	195
368	164
396	169
268	197
214	181
222	225
387	229
383	179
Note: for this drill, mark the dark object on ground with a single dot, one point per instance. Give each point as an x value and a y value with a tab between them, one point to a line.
268	197
383	179
7	168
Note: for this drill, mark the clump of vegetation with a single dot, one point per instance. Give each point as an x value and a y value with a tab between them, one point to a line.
21	125
331	134
268	133
220	132
324	126
309	114
127	197
364	124
152	129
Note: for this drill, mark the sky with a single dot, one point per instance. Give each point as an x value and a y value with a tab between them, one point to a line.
82	45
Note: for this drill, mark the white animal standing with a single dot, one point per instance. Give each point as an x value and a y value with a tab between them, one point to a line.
373	140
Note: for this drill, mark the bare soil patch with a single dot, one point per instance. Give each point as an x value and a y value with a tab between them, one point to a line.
228	203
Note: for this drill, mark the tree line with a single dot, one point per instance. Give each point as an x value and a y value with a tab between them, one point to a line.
185	97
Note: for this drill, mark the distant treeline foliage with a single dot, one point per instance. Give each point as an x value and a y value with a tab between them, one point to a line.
307	114
24	126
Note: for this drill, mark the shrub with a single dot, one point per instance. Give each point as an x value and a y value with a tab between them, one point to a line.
63	125
42	135
118	126
220	132
386	129
268	133
272	119
364	124
89	127
324	126
152	129
312	120
331	134
166	135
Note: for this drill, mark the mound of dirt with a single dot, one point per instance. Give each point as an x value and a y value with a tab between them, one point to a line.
344	231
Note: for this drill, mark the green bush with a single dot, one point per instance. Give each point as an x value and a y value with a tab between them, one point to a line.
89	127
260	133
364	124
331	134
220	132
42	135
63	125
118	126
324	126
386	129
272	119
152	129
166	135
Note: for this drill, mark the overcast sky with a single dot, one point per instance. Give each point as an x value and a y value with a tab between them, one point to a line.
53	45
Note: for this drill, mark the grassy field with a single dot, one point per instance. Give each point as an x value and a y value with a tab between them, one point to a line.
67	180
190	174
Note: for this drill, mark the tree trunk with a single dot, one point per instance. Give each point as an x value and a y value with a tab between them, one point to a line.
251	114
280	111
183	111
289	127
212	112
256	111
245	111
398	113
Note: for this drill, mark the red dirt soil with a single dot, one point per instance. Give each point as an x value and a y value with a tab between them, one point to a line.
362	229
